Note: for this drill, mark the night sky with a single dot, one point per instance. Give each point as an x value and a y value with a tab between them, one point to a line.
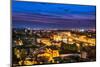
52	16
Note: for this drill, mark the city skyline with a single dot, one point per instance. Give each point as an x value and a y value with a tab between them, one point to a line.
50	33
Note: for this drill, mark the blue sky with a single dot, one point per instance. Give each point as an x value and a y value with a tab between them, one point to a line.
46	15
